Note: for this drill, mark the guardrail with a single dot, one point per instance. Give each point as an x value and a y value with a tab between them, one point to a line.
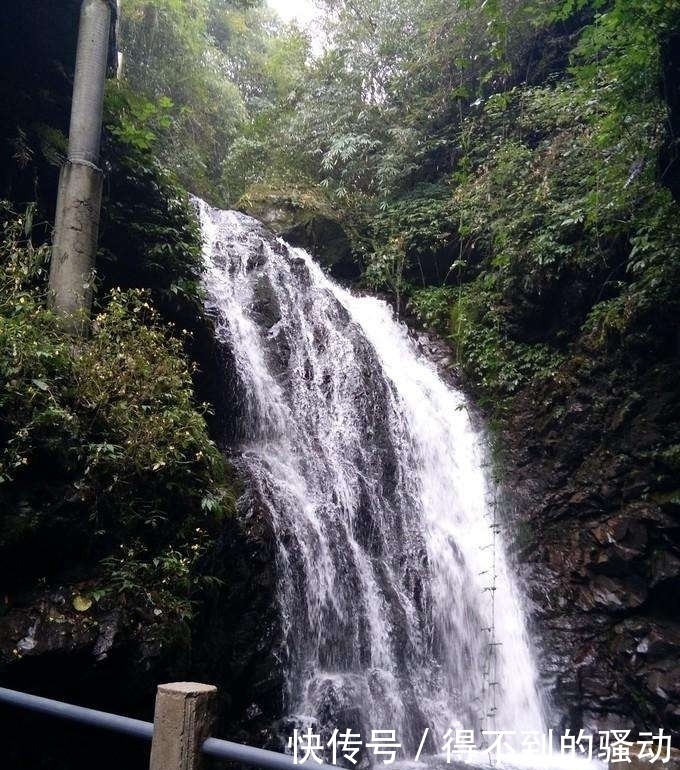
183	718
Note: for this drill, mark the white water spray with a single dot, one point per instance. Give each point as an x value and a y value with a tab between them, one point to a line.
399	610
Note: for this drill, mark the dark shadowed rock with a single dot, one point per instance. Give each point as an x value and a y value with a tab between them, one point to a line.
595	482
305	218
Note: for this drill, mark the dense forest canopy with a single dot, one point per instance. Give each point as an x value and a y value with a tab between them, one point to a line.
489	153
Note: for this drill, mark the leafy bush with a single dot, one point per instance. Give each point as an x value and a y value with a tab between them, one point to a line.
432	306
410	241
103	452
495	365
573	238
150	237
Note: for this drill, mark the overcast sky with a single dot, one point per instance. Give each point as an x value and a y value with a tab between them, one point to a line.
302	10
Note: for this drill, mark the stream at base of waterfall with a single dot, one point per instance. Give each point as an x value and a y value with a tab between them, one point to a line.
401	616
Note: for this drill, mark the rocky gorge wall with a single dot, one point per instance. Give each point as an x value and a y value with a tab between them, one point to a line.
592	461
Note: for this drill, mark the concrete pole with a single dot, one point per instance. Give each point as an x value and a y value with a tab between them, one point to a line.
183	719
76	227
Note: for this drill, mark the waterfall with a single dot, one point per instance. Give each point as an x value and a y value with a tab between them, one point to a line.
398	608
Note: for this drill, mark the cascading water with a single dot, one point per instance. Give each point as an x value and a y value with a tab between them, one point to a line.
398	608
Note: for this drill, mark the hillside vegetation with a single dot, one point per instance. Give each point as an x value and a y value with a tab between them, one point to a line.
507	172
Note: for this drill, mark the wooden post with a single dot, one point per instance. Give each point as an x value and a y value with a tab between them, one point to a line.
183	719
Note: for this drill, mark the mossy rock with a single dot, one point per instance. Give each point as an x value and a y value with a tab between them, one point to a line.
304	217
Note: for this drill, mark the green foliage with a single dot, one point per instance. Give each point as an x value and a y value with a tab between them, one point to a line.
432	307
102	447
136	122
623	45
381	109
161	585
407	234
645	310
25	266
422	219
495	365
169	54
228	68
386	270
149	235
136	385
563	216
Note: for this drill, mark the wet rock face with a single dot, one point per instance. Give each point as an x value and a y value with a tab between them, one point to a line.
49	622
640	759
57	644
328	242
304	219
237	640
596	486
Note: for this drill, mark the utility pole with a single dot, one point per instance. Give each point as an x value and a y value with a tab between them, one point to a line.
76	228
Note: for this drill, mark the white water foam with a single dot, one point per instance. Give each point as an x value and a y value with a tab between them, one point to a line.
399	609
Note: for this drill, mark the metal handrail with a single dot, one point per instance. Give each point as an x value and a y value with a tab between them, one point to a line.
214	747
90	717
